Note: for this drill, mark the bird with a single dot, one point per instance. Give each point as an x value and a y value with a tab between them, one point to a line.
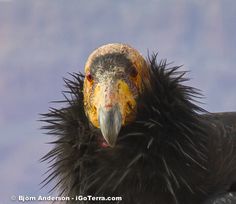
130	128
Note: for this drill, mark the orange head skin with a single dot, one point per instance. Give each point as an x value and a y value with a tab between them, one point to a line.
115	76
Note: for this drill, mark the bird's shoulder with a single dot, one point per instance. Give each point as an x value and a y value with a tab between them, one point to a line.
223	121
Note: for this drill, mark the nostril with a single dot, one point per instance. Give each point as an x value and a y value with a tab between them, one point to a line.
108	105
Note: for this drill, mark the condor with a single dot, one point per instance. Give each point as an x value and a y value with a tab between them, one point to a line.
131	128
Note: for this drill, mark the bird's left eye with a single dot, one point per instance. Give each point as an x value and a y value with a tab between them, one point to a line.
89	77
133	72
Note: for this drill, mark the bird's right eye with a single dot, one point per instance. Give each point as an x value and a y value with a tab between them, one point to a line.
89	77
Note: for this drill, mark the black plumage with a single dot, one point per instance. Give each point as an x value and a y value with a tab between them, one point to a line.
174	152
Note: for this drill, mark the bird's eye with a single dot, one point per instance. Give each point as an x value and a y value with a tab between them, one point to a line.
133	72
89	77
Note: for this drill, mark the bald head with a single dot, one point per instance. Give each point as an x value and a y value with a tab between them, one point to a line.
114	78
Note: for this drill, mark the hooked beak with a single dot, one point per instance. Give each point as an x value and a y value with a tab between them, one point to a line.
110	106
110	121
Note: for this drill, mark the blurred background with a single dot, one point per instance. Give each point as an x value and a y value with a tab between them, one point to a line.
41	41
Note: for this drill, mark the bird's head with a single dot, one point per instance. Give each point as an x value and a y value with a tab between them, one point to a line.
115	77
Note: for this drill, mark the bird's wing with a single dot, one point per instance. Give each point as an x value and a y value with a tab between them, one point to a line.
222	149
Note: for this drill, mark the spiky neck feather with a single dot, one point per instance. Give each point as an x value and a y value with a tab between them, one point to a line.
166	140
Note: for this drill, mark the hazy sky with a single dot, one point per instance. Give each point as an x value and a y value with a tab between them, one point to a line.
41	41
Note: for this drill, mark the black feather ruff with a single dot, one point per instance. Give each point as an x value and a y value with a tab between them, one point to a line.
160	158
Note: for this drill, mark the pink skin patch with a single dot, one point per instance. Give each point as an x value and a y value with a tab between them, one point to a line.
102	143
